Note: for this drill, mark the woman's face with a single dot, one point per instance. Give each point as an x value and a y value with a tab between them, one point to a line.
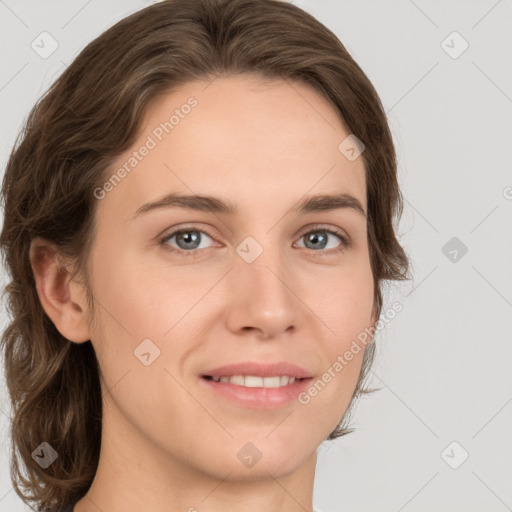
269	283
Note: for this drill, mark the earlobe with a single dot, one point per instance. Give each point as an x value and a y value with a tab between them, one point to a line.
62	299
374	319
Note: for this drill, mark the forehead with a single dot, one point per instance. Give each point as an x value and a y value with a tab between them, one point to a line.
252	141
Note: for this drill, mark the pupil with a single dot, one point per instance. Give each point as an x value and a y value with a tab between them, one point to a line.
315	238
188	238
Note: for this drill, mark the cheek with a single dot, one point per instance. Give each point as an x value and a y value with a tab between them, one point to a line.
138	300
343	299
152	310
345	306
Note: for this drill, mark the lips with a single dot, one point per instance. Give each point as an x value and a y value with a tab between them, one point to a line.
252	384
256	369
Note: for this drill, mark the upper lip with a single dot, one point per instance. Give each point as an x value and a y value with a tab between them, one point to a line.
259	370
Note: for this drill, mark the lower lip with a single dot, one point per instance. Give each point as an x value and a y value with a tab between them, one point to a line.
258	398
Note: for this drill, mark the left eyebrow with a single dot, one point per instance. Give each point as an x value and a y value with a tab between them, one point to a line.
325	202
314	203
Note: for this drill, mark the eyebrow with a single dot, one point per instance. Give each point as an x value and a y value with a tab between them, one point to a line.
312	203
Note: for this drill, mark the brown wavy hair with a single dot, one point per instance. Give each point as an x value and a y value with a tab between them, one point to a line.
89	116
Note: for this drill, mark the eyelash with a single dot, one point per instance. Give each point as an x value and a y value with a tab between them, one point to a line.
346	243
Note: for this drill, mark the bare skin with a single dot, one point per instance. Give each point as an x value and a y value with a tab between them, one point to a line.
170	443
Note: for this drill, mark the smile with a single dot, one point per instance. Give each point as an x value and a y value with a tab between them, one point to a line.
252	381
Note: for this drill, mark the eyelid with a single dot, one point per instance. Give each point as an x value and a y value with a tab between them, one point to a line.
346	241
176	231
331	229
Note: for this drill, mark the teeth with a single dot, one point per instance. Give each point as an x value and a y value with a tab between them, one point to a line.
237	379
271	382
251	381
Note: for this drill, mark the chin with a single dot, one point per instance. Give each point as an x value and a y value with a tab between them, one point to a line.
253	457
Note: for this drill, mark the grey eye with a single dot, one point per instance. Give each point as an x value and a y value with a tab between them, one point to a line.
318	239
187	239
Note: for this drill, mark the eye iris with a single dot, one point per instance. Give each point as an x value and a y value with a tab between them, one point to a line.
186	235
314	238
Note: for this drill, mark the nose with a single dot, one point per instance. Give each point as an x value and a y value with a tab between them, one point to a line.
262	300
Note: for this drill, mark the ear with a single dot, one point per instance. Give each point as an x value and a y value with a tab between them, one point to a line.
374	319
63	299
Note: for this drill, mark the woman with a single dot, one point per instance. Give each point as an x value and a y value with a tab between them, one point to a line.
198	222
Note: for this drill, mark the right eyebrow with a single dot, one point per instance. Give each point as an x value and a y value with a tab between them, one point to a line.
189	202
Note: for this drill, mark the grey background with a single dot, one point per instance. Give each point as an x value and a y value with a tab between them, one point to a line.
444	362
